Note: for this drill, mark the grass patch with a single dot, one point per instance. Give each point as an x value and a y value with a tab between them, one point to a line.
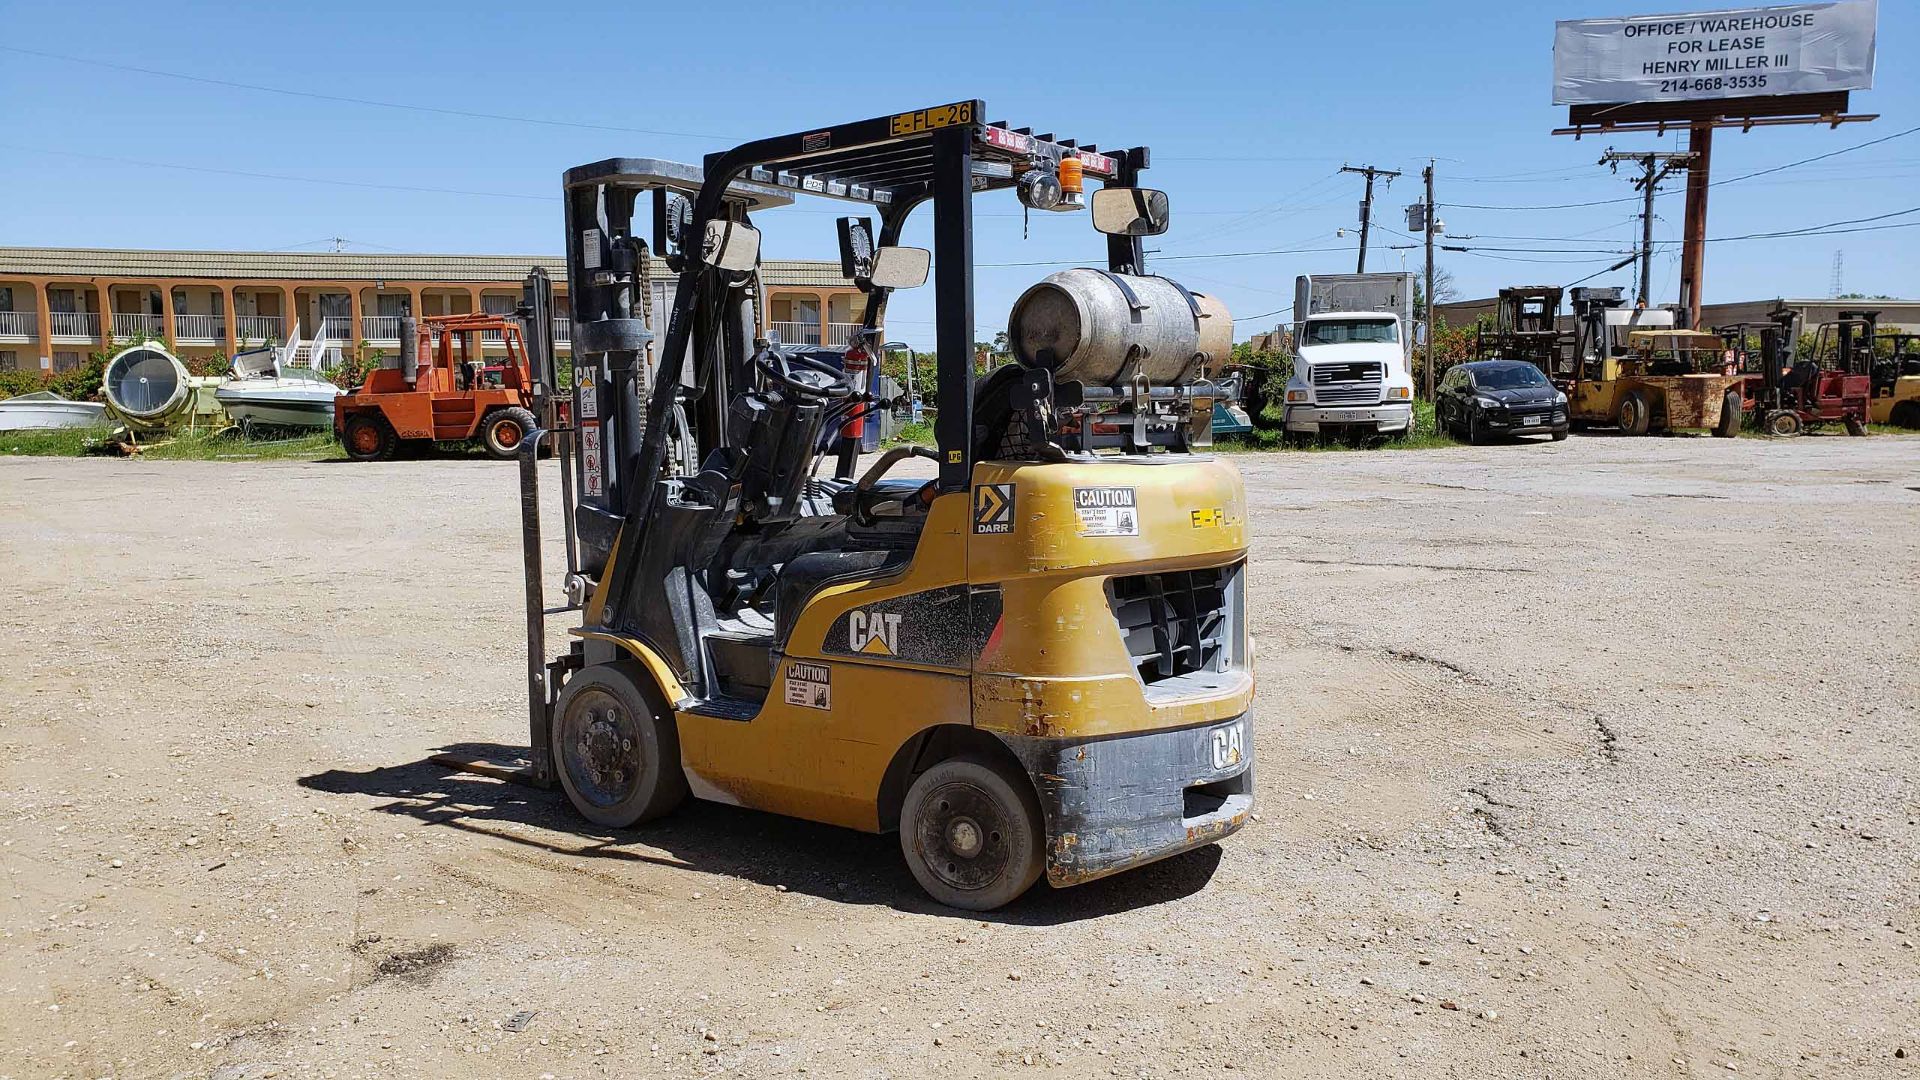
225	445
917	433
1424	437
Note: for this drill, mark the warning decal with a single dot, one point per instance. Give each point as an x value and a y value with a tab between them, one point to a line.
809	686
993	508
1106	511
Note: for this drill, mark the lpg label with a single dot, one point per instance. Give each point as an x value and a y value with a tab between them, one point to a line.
810	686
1106	511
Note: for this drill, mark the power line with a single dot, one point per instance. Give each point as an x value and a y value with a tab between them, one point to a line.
1716	183
277	176
374	102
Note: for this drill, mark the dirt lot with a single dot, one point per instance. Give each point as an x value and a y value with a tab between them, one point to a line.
1591	759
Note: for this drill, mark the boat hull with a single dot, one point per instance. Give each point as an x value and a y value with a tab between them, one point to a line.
51	415
278	406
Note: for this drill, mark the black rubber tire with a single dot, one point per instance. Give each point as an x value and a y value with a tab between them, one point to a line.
977	799
368	437
503	430
1559	436
615	747
1730	416
1854	427
1474	435
1635	416
1781	423
1905	415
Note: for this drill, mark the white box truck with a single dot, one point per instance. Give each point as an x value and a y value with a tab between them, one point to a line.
1352	338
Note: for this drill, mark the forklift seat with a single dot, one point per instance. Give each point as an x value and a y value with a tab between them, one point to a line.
804	575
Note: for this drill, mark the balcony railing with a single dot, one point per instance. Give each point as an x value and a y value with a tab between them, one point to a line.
76	324
17	324
199	327
841	333
797	333
131	326
562	331
257	329
337	328
380	327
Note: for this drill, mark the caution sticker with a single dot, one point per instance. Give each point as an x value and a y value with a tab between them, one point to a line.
993	508
1107	511
810	686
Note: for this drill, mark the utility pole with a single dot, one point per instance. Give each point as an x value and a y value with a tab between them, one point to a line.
1433	225
1654	167
1366	204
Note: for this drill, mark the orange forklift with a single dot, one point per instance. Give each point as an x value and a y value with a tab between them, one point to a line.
442	388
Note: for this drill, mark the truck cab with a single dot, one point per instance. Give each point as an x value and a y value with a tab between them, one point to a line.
1350	376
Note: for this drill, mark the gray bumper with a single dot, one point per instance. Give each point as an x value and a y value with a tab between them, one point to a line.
1120	802
1309	418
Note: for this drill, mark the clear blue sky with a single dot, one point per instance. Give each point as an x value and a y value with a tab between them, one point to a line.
1249	108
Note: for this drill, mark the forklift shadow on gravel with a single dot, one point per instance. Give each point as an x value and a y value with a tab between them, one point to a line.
768	849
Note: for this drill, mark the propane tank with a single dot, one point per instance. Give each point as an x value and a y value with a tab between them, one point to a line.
1102	328
148	389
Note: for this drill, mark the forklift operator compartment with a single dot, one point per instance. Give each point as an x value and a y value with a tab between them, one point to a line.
1035	662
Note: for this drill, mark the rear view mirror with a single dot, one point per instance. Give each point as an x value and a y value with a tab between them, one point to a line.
901	267
730	245
1122	211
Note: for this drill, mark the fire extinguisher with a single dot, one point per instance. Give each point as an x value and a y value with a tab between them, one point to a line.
855	429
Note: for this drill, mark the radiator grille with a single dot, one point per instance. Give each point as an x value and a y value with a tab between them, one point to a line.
1347	384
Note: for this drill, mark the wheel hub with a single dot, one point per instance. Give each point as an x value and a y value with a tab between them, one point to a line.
601	749
963	833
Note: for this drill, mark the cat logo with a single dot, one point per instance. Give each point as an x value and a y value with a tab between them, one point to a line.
1229	746
873	632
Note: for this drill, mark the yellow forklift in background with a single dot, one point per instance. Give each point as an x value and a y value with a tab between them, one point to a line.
1637	371
1034	662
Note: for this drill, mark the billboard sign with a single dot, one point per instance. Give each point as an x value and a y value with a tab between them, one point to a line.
1748	52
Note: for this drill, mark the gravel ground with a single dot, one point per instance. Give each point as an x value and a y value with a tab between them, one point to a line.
1589	759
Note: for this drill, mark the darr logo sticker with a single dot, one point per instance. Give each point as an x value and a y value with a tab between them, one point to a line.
810	686
874	632
1209	518
993	508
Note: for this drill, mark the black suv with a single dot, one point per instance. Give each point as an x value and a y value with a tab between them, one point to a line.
1488	398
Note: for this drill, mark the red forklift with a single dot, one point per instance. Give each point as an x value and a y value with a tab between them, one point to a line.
1786	395
443	388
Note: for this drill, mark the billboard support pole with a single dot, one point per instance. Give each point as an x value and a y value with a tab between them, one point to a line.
1693	249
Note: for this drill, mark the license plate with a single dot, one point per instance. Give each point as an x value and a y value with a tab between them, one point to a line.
1229	745
1531	421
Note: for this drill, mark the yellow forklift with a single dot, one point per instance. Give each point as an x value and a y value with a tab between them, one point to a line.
1033	662
1636	370
1896	379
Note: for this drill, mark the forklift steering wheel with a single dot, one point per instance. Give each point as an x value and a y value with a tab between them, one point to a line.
789	371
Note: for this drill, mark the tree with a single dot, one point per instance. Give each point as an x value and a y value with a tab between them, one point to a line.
1443	289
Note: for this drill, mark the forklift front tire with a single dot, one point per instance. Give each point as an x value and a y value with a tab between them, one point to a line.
368	437
1635	416
972	833
504	430
1854	427
1730	416
617	752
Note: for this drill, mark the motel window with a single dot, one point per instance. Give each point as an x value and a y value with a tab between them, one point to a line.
66	361
60	300
6	300
9	360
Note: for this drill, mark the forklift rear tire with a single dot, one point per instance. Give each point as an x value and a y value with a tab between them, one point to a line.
972	833
1730	416
1635	417
616	750
1906	415
1782	422
1854	427
368	437
504	430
